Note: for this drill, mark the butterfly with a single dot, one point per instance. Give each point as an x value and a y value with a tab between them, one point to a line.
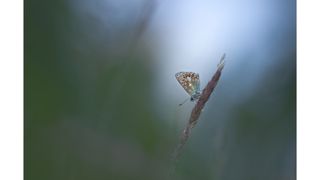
191	83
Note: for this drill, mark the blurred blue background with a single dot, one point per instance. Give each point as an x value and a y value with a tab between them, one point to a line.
101	99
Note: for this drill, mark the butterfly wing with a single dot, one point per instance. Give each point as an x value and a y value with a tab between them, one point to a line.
189	81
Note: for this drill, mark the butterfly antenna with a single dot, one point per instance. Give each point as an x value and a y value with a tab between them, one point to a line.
183	102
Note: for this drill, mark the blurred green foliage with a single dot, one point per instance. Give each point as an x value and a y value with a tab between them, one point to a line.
87	114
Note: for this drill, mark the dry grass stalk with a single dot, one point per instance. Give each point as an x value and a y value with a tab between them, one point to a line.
196	111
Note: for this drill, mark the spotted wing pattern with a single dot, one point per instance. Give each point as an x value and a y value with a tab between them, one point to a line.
189	81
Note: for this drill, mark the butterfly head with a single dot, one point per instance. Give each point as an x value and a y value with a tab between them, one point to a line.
195	96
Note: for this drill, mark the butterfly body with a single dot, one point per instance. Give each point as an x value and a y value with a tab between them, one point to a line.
191	83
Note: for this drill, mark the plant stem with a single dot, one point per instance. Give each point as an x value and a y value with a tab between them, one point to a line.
196	111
